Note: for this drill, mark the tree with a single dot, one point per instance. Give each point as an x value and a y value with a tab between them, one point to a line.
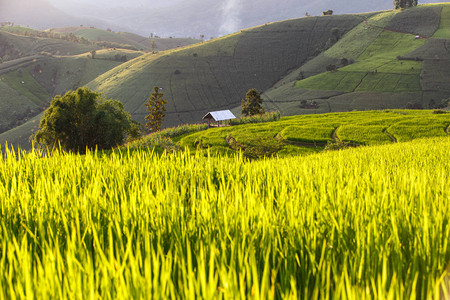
83	119
153	45
252	105
156	106
404	3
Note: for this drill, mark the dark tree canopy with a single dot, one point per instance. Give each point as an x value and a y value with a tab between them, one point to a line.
252	105
83	119
404	3
156	107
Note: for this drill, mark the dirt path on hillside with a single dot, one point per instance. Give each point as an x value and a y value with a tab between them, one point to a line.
392	137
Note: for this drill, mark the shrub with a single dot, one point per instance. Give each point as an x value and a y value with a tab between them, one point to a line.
440	111
262	118
83	119
337	145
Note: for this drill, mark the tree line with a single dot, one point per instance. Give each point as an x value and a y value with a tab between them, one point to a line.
83	119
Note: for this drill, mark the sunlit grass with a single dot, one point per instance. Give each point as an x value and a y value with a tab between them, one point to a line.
362	223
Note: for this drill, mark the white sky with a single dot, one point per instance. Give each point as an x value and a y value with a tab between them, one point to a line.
119	3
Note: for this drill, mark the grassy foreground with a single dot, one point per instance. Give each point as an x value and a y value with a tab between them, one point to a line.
367	223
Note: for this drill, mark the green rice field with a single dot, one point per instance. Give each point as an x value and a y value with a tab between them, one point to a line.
361	223
305	134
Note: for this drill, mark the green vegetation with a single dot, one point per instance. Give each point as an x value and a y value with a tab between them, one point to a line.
156	107
262	118
377	69
379	61
355	224
82	120
405	133
444	28
252	105
354	43
125	40
26	84
368	134
50	67
215	74
398	4
305	134
383	47
390	45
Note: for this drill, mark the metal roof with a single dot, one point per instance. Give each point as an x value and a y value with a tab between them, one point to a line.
220	115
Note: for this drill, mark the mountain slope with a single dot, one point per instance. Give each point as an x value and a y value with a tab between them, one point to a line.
217	74
35	68
389	59
37	65
396	59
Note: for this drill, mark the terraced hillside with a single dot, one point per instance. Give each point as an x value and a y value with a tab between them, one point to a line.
393	59
305	134
28	84
35	67
16	42
374	60
217	74
389	59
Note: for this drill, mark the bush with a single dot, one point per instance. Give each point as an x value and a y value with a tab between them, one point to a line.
83	119
415	105
262	118
440	111
337	145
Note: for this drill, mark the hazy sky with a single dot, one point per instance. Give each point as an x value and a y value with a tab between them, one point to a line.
118	3
189	18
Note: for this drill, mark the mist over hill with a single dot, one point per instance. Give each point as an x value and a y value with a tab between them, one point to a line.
180	18
40	14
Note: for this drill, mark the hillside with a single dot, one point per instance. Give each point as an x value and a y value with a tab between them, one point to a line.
217	74
35	66
126	39
379	60
394	60
304	134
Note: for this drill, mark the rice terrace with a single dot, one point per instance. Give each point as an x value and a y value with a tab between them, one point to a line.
322	171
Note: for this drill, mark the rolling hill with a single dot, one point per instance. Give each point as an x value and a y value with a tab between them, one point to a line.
216	74
387	59
384	67
131	40
37	65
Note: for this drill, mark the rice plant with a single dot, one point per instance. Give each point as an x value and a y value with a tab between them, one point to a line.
363	223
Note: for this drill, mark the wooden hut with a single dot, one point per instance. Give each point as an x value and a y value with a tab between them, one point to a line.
218	117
